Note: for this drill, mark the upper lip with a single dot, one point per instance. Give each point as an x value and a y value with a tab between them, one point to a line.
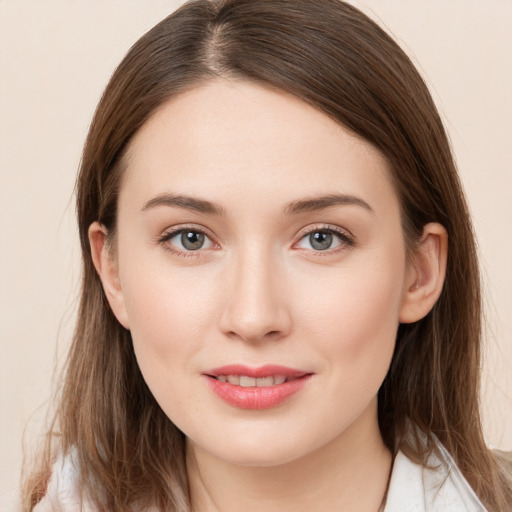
267	370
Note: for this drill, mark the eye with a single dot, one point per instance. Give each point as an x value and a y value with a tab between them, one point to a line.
187	240
324	240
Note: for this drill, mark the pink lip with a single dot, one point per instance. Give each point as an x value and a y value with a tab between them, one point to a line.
262	371
256	397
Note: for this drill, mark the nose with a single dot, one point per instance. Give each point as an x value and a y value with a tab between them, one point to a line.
257	306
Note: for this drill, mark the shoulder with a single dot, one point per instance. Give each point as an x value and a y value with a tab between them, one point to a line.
63	491
438	486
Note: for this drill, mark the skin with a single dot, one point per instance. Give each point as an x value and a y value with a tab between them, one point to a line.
258	293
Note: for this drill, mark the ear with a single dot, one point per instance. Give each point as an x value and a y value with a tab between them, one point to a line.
107	268
425	274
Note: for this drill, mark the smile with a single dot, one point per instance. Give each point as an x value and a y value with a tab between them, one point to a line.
247	382
256	388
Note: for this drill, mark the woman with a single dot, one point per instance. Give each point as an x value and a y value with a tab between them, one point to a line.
280	304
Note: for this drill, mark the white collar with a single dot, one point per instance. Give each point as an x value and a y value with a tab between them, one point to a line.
438	486
412	487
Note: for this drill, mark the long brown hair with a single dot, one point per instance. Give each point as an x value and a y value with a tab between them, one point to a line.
330	55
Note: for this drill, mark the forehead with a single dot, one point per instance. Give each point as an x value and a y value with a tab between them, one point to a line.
241	137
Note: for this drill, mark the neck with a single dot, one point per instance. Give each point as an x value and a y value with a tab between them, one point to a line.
350	472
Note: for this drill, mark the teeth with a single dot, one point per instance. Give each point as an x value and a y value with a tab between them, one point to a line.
265	381
234	379
247	382
251	382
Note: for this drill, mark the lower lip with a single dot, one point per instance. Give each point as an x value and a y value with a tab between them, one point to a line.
254	397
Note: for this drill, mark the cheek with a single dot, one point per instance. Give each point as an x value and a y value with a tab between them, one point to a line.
171	312
354	313
350	321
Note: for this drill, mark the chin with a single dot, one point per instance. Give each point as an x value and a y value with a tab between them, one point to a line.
270	456
263	447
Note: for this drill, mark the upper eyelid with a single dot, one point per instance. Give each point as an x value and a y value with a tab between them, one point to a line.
174	230
325	227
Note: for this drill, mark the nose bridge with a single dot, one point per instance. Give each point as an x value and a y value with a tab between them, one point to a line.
256	307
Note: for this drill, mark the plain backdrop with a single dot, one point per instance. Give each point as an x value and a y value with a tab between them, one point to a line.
55	59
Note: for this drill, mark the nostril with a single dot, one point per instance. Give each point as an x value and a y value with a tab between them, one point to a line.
256	335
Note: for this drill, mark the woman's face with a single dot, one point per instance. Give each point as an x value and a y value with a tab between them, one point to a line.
255	232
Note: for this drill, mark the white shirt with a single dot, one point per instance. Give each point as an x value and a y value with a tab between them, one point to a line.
416	488
412	488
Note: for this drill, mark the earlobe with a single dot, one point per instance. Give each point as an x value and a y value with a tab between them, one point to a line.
107	268
425	274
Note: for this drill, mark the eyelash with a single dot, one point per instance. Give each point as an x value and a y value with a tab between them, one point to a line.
346	239
169	235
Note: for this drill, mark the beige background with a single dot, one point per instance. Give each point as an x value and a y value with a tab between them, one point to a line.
55	59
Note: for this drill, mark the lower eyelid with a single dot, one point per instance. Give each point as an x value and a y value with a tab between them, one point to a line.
179	252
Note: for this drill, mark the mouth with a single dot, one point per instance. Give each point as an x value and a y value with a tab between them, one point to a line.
246	381
256	388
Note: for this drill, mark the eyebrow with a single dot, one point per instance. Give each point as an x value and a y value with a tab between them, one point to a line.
186	202
292	208
324	202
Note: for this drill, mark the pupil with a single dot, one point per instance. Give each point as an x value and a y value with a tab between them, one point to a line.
320	240
192	240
